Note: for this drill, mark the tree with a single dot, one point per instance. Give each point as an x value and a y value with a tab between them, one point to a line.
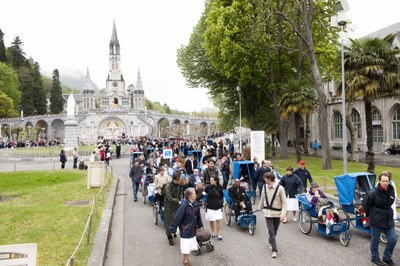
300	99
56	98
17	55
39	97
27	93
9	84
3	57
6	106
371	66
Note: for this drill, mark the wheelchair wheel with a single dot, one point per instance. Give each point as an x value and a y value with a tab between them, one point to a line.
305	222
383	238
227	214
345	237
155	214
252	228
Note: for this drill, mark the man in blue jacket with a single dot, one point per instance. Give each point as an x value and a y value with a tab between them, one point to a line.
377	205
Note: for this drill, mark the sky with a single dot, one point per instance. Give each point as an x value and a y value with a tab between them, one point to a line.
73	35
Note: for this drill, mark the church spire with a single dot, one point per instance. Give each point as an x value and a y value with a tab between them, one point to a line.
139	86
88	81
114	43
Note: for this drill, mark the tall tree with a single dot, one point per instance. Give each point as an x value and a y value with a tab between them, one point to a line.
371	71
17	55
9	84
306	17
27	93
39	95
3	57
56	98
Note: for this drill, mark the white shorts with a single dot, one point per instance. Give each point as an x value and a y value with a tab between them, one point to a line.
188	244
213	215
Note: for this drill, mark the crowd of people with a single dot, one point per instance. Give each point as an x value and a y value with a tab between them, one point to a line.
187	180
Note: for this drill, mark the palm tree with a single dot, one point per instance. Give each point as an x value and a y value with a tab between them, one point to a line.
371	66
298	100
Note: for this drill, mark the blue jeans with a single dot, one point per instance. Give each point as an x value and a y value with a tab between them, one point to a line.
135	187
392	240
225	176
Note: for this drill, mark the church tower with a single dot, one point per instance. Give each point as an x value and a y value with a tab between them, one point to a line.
114	94
89	97
138	95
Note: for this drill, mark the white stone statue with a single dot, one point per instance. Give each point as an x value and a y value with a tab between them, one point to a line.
71	106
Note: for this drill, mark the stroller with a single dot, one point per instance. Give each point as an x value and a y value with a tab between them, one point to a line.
203	238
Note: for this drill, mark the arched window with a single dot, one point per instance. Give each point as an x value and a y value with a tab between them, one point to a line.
356	120
396	123
337	126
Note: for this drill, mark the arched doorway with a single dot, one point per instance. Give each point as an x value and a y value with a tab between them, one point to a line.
163	127
57	129
111	129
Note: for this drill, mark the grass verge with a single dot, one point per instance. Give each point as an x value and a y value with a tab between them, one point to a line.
33	209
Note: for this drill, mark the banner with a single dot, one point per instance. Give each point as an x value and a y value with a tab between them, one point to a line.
257	145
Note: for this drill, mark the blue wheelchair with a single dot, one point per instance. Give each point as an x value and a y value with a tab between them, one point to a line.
245	220
308	216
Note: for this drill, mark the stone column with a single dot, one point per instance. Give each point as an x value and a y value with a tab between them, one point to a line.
71	126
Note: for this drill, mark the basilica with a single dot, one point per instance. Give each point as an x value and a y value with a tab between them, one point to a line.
118	112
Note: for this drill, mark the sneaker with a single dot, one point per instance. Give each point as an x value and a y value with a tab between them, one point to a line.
378	262
389	262
294	219
274	254
135	200
285	221
171	242
213	235
220	238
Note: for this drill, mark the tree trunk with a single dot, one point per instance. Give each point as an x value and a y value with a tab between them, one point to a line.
322	107
307	135
299	149
352	131
369	155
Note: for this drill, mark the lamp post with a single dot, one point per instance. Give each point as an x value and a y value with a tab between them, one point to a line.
240	119
339	20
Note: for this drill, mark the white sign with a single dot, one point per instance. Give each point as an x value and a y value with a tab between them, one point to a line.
257	146
96	171
167	153
20	254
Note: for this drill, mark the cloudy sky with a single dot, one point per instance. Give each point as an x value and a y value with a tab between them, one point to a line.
72	35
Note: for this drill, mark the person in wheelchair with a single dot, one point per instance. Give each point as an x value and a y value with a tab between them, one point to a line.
239	198
158	196
325	209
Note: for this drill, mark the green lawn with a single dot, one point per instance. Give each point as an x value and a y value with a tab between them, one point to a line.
35	211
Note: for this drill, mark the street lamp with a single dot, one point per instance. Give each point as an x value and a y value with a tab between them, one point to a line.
339	20
240	119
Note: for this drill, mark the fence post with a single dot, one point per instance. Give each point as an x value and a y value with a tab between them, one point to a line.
54	165
96	206
324	182
15	166
89	229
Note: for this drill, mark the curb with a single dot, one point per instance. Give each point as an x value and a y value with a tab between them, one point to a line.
97	256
